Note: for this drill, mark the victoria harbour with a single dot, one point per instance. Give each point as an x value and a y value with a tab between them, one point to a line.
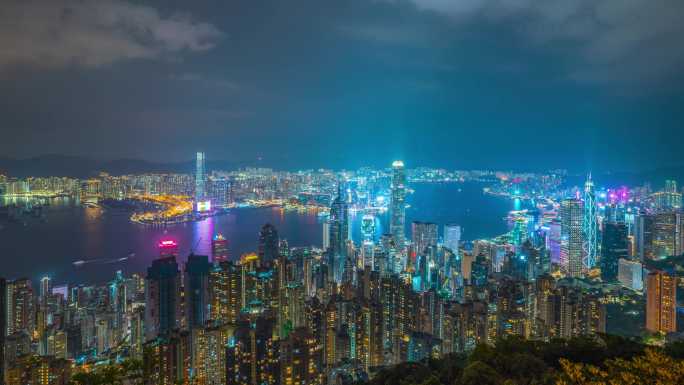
74	232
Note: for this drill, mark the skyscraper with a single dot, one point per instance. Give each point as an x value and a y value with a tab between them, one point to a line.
251	354
668	199
301	359
196	285
660	235
613	247
268	243
661	302
339	234
398	204
3	327
219	248
571	237
200	179
424	235
589	226
452	237
162	293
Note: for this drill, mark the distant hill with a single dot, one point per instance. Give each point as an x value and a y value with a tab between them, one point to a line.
83	167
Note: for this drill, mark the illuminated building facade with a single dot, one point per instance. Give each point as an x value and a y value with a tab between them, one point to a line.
219	248
200	181
301	359
251	355
571	257
167	248
660	235
661	302
225	282
424	235
630	274
452	237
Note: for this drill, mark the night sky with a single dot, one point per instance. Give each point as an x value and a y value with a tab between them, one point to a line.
580	84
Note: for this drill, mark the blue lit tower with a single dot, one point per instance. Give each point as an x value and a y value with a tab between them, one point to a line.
589	226
339	234
398	204
200	179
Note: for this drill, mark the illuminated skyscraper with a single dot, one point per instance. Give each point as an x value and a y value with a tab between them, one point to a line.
571	237
452	237
671	186
301	359
167	248
368	227
219	248
200	179
668	199
660	235
45	287
326	235
20	309
251	354
268	243
661	302
225	282
398	204
339	234
589	226
424	235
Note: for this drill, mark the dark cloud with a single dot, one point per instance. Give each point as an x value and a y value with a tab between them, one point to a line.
60	33
467	83
607	41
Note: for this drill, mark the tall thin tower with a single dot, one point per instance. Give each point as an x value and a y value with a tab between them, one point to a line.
339	234
200	179
571	237
398	204
589	226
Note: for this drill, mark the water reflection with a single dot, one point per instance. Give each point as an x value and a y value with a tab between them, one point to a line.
72	232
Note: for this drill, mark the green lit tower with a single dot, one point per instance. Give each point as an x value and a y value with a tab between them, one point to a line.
589	226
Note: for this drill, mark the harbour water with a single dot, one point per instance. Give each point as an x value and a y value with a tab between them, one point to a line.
106	240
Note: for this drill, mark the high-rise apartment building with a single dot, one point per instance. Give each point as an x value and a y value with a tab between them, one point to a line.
661	302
